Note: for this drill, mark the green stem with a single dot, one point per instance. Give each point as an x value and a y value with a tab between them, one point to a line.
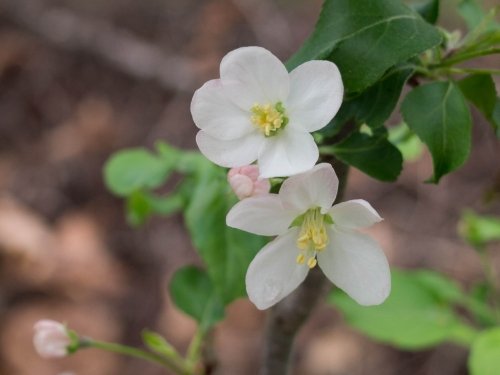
458	58
468	70
174	365
194	351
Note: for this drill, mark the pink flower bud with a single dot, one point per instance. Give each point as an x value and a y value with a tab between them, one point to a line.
245	182
51	339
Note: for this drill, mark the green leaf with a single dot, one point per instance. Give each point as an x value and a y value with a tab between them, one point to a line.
429	10
484	357
406	141
193	292
438	114
135	169
138	208
157	343
479	230
480	90
374	106
374	155
227	252
471	12
141	205
366	38
418	313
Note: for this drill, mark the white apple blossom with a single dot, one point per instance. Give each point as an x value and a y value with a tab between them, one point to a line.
245	181
258	111
310	231
51	339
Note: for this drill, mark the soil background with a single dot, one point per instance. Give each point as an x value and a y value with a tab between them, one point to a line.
80	80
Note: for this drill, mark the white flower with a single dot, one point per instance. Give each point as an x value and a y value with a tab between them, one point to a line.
245	181
51	339
257	111
310	231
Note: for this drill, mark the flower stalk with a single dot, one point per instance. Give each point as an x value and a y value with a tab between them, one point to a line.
177	365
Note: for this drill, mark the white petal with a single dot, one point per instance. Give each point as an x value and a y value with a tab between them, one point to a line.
254	75
316	92
232	153
355	263
290	152
274	273
356	213
214	113
262	215
315	188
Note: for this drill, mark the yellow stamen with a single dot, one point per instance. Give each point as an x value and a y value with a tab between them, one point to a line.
301	259
312	237
269	119
311	262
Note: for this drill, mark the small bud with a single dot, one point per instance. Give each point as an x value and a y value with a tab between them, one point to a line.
51	339
245	182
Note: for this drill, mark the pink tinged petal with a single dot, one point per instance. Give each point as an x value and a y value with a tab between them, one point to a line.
263	215
355	263
274	273
316	92
356	213
230	153
242	186
215	114
254	75
261	186
51	339
315	188
290	152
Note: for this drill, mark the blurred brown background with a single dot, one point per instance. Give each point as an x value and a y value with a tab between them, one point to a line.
82	79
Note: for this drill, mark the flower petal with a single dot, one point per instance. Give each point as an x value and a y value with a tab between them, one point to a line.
317	187
316	92
274	273
254	75
356	213
214	113
262	215
290	152
230	153
356	264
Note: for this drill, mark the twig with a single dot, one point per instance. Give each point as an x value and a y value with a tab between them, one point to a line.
287	317
129	54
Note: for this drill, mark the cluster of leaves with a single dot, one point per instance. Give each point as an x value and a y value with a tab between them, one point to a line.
376	46
426	308
204	197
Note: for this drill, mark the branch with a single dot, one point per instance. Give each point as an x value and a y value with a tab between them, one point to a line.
127	53
288	316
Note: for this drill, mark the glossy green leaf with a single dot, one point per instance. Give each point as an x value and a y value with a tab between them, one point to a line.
193	292
366	38
418	313
134	169
438	114
374	106
480	90
374	155
429	10
227	252
484	357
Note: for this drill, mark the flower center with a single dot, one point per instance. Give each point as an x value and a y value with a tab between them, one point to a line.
268	118
312	237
